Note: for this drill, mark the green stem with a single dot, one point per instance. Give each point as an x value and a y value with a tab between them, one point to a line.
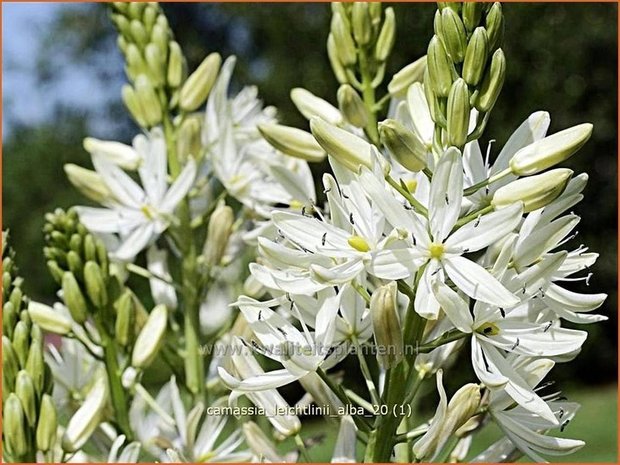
407	195
302	449
117	391
368	95
372	389
472	216
472	189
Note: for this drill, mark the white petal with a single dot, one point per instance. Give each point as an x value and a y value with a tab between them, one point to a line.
345	447
425	303
179	189
153	170
101	220
135	242
309	232
543	240
120	184
162	292
270	380
479	234
420	114
338	274
478	283
454	306
446	194
425	446
394	264
485	369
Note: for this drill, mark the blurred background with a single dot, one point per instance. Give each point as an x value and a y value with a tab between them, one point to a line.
62	76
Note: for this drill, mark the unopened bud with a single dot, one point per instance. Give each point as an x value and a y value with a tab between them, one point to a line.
413	72
125	319
386	325
188	139
453	34
361	22
495	26
176	65
535	191
492	82
88	182
403	144
74	299
472	13
25	391
95	284
463	406
21	341
10	362
434	109
259	443
196	88
35	365
476	57
148	100
337	67
130	99
549	151
458	113
138	32
84	422
219	229
48	423
345	47
456	6
48	319
387	36
75	264
440	67
150	338
90	248
135	63
346	148
292	141
351	106
312	106
14	426
155	63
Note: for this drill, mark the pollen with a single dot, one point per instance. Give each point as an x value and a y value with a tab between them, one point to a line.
296	205
436	250
148	211
359	243
488	329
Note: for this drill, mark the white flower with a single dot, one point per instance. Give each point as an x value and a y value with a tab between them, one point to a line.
139	214
438	248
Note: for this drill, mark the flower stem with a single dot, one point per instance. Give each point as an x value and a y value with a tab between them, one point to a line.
368	95
407	195
372	389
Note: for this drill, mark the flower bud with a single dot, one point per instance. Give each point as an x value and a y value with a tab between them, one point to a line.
21	341
458	113
176	65
156	65
84	422
455	6
125	319
492	82
346	148
10	362
259	443
361	22
90	248
472	13
453	34
549	151
337	67
95	284
476	57
48	319
312	106
345	47
387	36
48	423
292	141
88	182
219	229
150	338
433	106
535	191
135	63
463	406
74	299
386	325
495	26
440	68
138	32
188	139
76	266
130	99
115	152
403	144
196	88
35	365
24	389
14	427
351	106
148	100
411	73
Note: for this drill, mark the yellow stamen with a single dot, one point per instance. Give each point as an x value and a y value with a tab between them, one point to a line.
488	329
148	212
296	205
412	185
359	243
436	250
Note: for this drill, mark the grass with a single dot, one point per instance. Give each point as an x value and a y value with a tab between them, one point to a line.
595	423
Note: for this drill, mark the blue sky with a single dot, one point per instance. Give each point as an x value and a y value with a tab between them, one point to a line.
24	101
